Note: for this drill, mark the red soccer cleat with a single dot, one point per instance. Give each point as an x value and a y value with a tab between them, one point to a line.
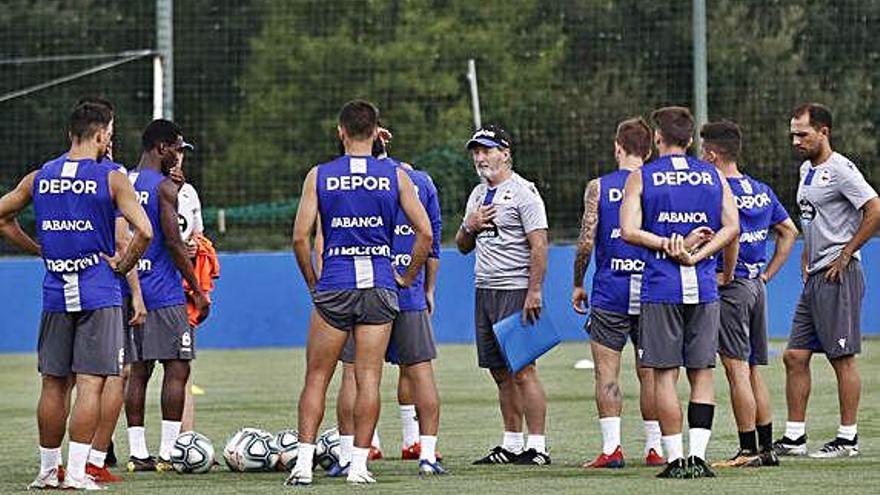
615	460
61	474
654	459
414	452
101	474
375	453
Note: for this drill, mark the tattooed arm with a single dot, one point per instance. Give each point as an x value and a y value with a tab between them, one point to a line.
586	239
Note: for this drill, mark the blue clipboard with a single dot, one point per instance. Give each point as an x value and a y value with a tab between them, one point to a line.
521	343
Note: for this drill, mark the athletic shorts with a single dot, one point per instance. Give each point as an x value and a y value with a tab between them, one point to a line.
412	340
492	306
87	342
611	329
827	316
673	335
743	332
164	336
343	309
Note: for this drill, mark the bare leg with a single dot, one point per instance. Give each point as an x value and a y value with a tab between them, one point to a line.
509	400
849	386
52	410
136	392
609	401
797	382
87	408
742	397
371	341
763	412
345	400
188	421
322	352
531	393
404	389
427	400
174	389
112	400
666	398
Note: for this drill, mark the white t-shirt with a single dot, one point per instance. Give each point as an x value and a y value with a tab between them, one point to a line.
189	212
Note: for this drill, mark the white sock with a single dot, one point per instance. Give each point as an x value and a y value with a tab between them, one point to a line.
96	458
346	443
673	446
537	442
137	442
847	432
513	441
652	437
795	429
49	458
429	448
376	443
698	440
409	424
170	432
305	459
359	460
77	455
610	434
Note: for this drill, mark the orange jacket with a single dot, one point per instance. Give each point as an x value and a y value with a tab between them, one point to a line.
207	268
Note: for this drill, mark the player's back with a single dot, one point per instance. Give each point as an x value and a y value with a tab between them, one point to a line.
358	202
617	281
159	278
75	216
679	194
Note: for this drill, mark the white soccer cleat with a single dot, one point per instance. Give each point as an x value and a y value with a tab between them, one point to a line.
301	477
47	480
362	478
87	483
838	447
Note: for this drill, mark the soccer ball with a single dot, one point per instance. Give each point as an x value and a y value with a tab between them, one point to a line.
192	453
288	448
252	450
327	448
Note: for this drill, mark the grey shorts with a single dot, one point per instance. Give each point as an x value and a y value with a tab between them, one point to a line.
412	340
492	306
87	342
827	316
673	335
164	336
743	332
343	309
611	329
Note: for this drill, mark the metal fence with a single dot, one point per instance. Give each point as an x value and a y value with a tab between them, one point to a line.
257	84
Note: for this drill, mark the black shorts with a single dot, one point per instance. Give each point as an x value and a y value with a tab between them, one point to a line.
164	336
743	332
673	335
611	329
343	309
492	306
411	342
86	342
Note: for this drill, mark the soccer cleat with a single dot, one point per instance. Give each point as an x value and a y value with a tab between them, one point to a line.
299	478
615	460
46	480
337	470
136	464
375	454
362	478
532	457
654	459
163	465
87	483
789	447
61	473
697	468
414	453
428	468
742	458
110	460
677	469
498	455
839	447
101	474
769	458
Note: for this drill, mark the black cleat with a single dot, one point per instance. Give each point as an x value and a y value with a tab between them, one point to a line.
839	447
498	455
787	446
697	468
677	469
111	460
136	464
532	457
769	458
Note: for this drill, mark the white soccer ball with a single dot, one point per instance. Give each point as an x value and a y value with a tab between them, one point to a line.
255	451
288	448
192	453
232	453
327	448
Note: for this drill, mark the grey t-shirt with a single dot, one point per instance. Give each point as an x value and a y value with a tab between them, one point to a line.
830	197
502	258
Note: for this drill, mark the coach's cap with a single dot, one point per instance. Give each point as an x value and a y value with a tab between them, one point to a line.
490	136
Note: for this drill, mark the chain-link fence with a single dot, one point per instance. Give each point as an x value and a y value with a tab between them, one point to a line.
258	84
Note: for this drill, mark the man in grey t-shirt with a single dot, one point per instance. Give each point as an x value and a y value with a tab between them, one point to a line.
840	211
506	223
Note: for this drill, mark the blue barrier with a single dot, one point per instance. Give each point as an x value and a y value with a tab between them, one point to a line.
261	300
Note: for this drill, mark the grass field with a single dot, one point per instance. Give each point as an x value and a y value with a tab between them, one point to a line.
258	388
